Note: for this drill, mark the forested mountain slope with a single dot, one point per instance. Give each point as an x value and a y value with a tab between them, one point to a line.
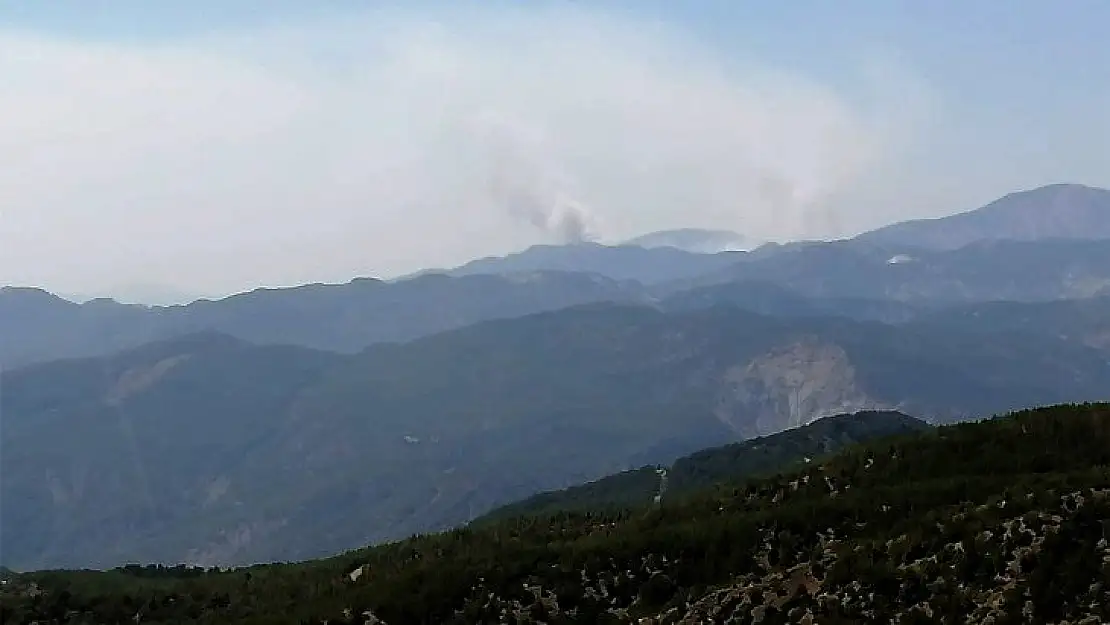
999	521
759	456
211	450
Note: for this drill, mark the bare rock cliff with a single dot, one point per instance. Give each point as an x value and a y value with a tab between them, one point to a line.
790	386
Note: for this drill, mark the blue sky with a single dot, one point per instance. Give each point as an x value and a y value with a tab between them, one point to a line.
978	45
778	119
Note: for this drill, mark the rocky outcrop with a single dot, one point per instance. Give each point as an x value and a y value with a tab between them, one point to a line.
137	379
790	386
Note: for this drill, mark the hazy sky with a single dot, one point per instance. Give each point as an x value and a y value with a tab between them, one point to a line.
216	145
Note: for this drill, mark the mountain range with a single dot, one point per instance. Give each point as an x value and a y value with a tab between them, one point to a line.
208	449
867	277
295	423
823	278
340	317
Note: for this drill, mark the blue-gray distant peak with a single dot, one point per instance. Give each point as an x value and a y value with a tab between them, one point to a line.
1058	211
697	240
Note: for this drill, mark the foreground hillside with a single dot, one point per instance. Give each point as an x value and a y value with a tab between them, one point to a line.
209	450
1000	521
759	456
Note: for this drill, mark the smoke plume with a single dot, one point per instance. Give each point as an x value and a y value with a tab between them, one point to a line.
417	137
526	182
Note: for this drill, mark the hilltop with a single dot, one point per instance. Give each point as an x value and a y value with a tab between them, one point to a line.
1057	211
697	240
758	456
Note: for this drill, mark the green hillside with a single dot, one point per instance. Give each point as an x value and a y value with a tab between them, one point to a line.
759	456
998	521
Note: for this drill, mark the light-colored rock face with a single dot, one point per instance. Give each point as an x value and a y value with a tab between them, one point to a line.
231	541
216	490
137	379
790	386
1099	340
1085	286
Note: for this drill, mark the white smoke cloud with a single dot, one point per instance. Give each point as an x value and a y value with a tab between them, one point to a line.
386	141
526	183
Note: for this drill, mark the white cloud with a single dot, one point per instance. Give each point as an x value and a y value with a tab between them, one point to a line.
387	141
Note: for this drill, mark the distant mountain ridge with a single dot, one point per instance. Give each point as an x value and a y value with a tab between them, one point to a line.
842	278
696	240
141	294
38	326
1048	269
619	262
1058	211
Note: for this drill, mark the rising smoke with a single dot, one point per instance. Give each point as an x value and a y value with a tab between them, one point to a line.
602	127
525	180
